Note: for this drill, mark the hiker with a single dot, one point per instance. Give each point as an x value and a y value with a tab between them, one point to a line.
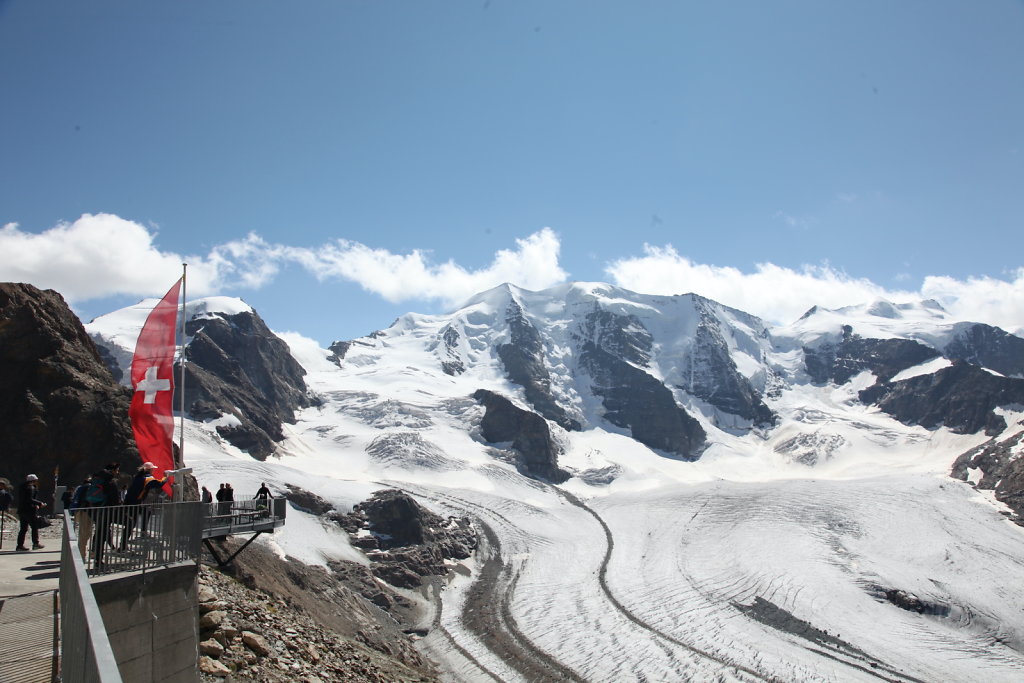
103	493
263	497
5	498
5	504
28	512
142	484
83	522
207	497
223	502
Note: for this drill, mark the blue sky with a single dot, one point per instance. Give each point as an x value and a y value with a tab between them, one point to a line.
339	162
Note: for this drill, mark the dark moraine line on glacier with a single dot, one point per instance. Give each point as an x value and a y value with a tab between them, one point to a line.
603	580
436	625
487	613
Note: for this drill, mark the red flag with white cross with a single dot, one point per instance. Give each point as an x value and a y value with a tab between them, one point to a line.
151	412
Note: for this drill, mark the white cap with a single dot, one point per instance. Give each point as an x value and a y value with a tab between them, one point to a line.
149	466
31	477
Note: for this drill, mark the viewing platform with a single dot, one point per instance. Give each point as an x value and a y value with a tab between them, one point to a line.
116	576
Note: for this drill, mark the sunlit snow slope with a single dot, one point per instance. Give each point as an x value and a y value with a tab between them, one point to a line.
829	545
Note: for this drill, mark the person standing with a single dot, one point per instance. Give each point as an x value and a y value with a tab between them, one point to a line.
263	492
28	512
142	483
223	506
229	498
207	497
5	504
83	522
103	493
5	498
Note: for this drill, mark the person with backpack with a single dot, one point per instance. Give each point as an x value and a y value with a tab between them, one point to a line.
28	513
103	493
83	522
5	502
143	483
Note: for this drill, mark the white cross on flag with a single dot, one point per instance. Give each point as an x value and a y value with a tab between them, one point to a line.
151	412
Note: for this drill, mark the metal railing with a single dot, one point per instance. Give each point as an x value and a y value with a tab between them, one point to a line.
85	652
241	516
128	538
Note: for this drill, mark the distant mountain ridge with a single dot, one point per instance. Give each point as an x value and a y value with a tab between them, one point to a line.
674	373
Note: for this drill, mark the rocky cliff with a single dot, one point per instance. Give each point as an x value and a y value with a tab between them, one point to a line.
962	397
528	434
998	466
59	404
235	366
614	348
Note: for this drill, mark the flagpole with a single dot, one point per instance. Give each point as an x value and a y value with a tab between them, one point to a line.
181	383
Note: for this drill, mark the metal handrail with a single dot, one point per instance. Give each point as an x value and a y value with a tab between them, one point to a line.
85	652
243	515
124	538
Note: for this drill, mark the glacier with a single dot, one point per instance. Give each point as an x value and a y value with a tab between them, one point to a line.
830	545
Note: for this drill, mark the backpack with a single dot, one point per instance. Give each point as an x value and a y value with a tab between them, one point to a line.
96	494
78	499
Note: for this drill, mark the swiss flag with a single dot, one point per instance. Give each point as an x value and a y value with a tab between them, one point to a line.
151	412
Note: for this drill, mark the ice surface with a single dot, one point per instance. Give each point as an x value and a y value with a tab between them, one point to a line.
745	565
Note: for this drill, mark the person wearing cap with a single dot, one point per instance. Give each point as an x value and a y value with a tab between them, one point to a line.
28	512
142	484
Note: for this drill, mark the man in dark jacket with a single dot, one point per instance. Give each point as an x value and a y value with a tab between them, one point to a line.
28	512
142	483
106	481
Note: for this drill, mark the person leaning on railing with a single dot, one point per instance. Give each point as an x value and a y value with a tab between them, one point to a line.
103	493
142	484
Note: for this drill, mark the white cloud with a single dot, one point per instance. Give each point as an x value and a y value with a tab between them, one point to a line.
95	256
104	255
981	299
780	295
398	277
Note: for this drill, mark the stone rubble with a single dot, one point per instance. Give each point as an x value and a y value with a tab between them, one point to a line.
249	635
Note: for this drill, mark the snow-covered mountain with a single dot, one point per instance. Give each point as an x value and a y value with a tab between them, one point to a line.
666	488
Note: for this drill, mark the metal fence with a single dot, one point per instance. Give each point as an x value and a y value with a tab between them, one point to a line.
135	537
240	516
85	652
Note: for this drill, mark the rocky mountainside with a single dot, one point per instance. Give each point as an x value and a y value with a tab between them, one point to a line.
59	404
234	365
676	374
267	618
238	374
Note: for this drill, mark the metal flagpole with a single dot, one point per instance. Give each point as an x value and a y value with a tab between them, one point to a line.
179	466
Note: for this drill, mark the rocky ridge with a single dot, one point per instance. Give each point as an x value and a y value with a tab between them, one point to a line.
59	404
404	541
998	466
235	366
249	634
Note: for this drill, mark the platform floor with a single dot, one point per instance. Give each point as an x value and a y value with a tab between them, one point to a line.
28	638
28	606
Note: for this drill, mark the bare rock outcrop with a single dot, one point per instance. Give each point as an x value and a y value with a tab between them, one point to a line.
282	621
59	404
527	432
236	366
404	541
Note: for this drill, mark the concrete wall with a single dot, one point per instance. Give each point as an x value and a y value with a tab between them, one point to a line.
152	621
